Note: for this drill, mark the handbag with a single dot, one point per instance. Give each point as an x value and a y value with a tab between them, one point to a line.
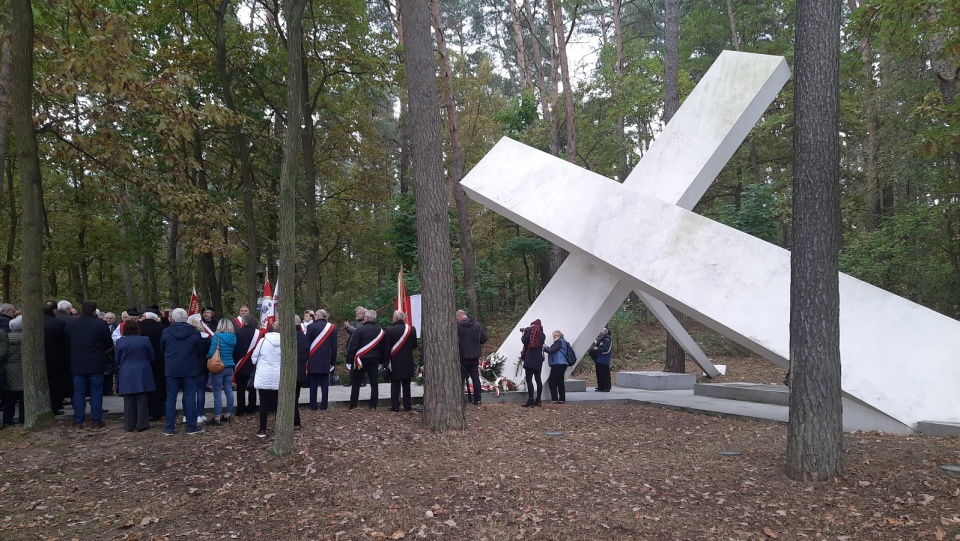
215	363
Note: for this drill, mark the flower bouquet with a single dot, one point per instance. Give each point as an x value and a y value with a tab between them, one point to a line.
491	375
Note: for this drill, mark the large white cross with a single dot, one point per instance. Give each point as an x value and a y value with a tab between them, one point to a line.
898	357
678	168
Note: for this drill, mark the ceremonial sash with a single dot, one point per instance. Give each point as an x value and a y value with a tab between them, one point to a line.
246	356
207	327
321	338
403	340
238	321
366	349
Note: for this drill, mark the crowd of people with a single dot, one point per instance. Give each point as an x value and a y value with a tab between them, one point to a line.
155	357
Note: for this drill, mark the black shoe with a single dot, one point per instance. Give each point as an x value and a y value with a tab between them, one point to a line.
143	429
105	410
529	404
394	409
262	434
477	403
214	422
537	403
352	406
58	412
373	407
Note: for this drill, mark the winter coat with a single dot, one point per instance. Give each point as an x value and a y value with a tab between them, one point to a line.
88	339
604	348
5	322
533	357
227	341
4	350
401	361
471	335
55	352
326	355
266	357
245	337
183	351
364	335
14	366
556	353
134	356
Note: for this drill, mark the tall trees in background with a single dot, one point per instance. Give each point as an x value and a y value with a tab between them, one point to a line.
815	431
442	394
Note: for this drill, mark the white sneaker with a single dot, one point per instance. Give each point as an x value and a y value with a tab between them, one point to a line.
202	419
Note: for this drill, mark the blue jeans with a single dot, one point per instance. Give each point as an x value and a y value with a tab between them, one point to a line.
189	387
201	393
222	383
81	384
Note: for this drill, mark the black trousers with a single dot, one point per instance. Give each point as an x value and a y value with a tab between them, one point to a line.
246	396
356	378
323	382
395	387
136	411
533	375
11	400
557	389
268	404
603	377
470	371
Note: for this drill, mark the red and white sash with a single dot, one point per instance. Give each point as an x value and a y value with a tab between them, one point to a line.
238	321
246	356
207	327
403	340
367	349
321	338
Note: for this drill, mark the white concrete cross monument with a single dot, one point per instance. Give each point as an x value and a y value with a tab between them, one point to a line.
678	168
899	358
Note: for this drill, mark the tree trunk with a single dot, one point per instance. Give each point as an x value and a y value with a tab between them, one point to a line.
675	357
36	393
622	158
6	61
548	106
525	79
173	261
11	238
242	149
571	117
283	441
467	251
734	38
815	431
442	395
312	262
944	65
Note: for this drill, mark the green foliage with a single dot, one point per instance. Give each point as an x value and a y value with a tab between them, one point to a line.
518	115
757	214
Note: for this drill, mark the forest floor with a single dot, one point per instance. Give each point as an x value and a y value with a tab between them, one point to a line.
616	472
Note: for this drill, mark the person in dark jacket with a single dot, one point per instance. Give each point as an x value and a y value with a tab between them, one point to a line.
134	355
247	337
471	335
151	328
303	352
7	313
557	360
364	356
90	345
533	338
12	396
322	357
56	357
183	351
401	340
600	352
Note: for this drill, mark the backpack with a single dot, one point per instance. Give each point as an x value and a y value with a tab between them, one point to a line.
569	355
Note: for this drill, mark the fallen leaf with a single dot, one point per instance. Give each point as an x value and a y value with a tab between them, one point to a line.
399	534
148	520
451	523
939	535
770	533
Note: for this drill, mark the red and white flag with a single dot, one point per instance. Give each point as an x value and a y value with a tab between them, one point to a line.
268	312
402	302
194	304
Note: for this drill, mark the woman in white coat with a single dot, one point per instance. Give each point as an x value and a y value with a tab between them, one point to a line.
266	379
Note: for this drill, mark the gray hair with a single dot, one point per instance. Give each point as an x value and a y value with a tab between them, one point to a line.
249	320
461	313
6	307
399	315
178	315
151	315
297	319
321	314
371	315
64	305
225	325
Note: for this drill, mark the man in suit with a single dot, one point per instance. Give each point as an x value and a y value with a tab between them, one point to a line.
401	340
364	356
322	335
90	346
56	357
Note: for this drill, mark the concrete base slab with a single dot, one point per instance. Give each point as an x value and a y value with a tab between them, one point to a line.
656	381
575	385
778	395
936	428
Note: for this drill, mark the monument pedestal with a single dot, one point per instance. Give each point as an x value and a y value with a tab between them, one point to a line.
575	385
656	381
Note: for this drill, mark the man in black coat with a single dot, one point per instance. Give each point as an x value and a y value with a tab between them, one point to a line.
365	354
471	335
243	369
401	340
152	328
56	357
90	345
322	335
